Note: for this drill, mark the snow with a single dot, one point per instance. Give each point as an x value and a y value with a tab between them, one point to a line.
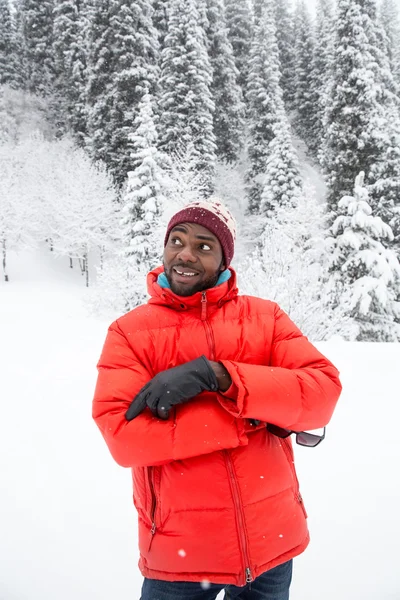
67	523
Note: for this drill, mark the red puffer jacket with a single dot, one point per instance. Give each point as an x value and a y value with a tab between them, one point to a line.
218	499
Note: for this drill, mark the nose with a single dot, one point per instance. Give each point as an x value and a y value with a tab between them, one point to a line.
187	254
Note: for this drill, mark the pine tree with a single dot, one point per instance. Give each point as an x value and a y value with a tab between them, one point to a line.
258	9
37	28
356	136
383	176
143	205
365	275
160	20
390	18
321	71
98	92
7	74
227	95
282	185
285	38
135	70
70	67
265	102
122	66
19	50
286	263
186	102
304	49
239	21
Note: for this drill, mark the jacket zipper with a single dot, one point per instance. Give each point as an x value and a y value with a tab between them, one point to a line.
240	515
234	485
207	326
153	505
289	455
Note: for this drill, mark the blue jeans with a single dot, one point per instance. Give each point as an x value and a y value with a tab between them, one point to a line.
271	585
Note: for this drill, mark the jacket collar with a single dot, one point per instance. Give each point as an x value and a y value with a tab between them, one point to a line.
214	296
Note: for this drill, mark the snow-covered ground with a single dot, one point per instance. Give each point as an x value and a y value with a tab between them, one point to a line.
67	523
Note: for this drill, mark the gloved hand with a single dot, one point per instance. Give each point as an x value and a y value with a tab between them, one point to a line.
173	386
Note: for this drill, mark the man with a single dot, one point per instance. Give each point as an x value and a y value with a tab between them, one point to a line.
186	386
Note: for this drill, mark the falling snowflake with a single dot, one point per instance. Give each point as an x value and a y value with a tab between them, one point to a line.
182	553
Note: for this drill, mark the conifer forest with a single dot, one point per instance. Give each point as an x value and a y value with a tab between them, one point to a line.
115	113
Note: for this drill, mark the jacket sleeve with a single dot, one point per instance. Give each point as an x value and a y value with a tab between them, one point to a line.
299	388
200	426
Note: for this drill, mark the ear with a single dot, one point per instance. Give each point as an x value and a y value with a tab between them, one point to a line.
222	268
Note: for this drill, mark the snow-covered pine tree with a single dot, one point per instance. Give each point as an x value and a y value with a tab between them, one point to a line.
285	39
186	103
390	19
304	50
282	184
37	29
7	60
355	123
286	264
98	91
321	71
70	68
18	51
239	20
384	175
122	64
160	20
381	66
135	57
258	9
227	94
365	275
203	17
265	103
143	205
184	183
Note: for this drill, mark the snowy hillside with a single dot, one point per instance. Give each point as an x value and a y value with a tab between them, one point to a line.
68	526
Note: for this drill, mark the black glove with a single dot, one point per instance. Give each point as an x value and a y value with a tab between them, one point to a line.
173	386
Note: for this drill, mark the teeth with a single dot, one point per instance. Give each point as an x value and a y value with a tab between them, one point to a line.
185	274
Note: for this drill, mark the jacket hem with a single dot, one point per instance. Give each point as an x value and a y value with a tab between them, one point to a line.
222	578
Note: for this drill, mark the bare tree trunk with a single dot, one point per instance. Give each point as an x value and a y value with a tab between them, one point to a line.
86	259
101	258
5	260
71	266
82	264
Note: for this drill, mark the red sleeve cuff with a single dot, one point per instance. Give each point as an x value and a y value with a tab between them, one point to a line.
231	393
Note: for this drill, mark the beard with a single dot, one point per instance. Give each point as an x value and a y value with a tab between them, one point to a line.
189	290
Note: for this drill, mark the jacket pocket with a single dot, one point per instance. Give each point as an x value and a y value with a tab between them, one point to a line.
288	450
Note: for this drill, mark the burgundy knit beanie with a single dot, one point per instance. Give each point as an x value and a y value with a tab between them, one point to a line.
213	215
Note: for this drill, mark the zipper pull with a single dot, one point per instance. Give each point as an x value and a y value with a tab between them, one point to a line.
249	576
153	528
203	306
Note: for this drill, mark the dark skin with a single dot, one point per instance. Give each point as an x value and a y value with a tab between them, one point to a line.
193	261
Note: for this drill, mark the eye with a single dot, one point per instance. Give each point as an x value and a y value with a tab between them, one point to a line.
176	241
205	247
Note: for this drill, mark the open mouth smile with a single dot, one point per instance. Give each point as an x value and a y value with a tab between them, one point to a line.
182	272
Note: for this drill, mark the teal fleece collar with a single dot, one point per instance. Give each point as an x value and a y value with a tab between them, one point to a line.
163	281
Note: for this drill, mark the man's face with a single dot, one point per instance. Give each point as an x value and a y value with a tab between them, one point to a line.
193	259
